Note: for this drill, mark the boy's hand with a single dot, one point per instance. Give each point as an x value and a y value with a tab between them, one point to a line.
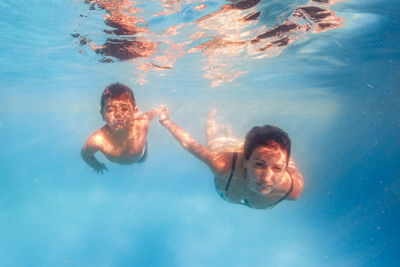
163	112
101	168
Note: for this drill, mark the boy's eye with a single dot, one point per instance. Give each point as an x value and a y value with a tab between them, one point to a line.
259	164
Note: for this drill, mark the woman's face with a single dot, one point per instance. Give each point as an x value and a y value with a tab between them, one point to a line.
265	168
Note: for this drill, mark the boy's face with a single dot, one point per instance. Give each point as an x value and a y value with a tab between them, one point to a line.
118	113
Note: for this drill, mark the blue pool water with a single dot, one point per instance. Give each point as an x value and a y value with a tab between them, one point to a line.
336	92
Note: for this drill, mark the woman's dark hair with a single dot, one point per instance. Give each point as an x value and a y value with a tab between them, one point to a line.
115	91
265	136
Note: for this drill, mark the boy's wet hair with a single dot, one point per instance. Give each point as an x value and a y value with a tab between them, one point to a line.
117	91
269	136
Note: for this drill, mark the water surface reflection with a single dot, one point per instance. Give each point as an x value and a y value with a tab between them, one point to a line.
224	34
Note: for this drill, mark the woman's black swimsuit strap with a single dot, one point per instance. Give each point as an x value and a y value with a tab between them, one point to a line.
232	171
288	192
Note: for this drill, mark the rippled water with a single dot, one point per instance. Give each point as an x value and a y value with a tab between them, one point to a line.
325	71
155	37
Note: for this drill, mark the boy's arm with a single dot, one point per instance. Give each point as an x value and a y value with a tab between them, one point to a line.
89	148
152	113
218	162
149	115
297	180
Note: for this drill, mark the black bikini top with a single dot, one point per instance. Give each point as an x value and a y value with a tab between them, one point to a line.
232	171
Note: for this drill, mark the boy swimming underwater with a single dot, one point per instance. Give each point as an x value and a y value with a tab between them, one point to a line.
123	139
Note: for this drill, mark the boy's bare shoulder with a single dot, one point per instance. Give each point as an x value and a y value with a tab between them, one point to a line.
141	122
98	138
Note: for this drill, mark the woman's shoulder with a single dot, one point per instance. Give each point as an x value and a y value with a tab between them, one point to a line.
229	164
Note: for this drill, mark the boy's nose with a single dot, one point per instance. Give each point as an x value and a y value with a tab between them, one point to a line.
118	114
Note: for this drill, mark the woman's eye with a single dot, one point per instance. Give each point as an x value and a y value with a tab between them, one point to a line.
259	164
277	169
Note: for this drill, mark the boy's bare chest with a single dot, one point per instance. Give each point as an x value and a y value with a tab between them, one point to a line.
121	147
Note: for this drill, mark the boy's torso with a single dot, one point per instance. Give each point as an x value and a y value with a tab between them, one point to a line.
125	148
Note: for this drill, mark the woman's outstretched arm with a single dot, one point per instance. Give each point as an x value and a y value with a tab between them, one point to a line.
218	162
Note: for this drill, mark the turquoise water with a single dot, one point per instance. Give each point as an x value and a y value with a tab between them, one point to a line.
335	93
